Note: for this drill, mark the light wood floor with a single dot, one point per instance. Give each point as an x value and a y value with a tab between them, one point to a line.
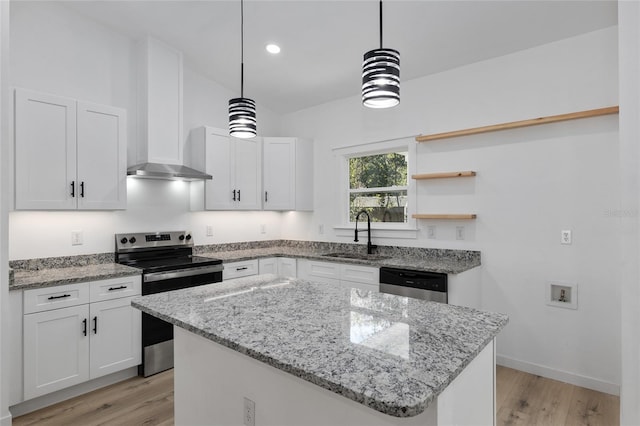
522	399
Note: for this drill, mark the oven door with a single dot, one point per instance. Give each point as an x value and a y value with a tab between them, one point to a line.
157	335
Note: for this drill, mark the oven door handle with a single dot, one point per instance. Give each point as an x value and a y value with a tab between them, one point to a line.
168	275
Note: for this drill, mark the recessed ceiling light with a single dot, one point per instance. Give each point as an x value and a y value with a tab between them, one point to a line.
273	48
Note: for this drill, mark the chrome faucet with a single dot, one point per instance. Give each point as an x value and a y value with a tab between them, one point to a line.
370	246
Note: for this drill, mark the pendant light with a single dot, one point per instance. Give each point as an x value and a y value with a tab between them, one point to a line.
242	111
381	76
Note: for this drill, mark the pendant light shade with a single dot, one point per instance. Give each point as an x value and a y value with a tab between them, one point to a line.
381	76
242	118
242	111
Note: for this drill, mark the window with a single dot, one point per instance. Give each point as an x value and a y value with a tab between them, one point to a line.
378	185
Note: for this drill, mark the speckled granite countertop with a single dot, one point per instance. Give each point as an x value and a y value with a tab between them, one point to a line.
390	353
24	279
444	264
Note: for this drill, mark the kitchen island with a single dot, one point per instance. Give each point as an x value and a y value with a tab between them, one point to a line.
314	353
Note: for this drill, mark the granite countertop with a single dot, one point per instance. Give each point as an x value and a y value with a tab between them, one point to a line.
390	353
397	259
24	279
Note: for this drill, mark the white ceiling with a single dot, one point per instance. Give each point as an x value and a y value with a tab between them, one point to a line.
323	41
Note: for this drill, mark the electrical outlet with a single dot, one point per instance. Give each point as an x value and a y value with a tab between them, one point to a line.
76	238
565	236
431	231
459	232
263	229
249	412
209	231
320	229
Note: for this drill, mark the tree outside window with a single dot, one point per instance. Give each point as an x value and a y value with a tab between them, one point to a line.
378	185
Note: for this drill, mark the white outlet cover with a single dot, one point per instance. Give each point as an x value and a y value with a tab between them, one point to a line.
565	236
431	231
460	232
77	238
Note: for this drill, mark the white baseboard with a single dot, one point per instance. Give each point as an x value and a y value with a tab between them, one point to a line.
563	376
6	420
71	392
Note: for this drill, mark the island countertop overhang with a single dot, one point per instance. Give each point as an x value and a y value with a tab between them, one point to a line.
390	353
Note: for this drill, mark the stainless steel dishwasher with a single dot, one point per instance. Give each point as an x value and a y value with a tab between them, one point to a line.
419	285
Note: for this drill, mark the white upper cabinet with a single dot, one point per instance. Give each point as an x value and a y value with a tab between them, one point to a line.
236	167
45	151
68	154
288	174
102	153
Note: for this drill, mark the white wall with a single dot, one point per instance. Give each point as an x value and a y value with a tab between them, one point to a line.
47	54
531	184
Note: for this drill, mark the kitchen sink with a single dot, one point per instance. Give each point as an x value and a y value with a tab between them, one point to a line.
357	256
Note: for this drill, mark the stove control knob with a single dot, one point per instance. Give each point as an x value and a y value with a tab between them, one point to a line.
181	237
124	241
188	237
132	240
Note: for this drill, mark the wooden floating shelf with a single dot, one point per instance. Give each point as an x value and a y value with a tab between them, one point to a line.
444	216
443	175
522	123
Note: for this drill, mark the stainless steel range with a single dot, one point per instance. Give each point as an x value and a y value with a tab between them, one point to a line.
167	263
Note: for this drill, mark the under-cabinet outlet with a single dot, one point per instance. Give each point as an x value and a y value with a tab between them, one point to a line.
320	229
460	232
562	294
209	231
431	231
263	229
249	413
77	238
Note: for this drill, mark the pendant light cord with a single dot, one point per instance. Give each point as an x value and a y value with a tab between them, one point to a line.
380	24
242	48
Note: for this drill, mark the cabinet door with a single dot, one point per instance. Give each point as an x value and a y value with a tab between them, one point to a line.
219	154
279	173
287	267
248	173
268	265
56	350
45	151
102	157
115	328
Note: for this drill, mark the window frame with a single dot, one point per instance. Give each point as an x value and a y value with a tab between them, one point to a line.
392	229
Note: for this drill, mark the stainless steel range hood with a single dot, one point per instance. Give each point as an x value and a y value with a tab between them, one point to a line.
166	171
160	147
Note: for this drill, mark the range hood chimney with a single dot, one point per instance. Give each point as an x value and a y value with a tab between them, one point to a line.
160	148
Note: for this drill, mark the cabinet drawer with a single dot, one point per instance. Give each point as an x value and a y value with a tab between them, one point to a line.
62	296
115	288
323	270
360	274
240	269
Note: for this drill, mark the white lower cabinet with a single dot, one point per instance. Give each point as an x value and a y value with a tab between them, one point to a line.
348	275
359	276
65	346
56	350
115	337
284	266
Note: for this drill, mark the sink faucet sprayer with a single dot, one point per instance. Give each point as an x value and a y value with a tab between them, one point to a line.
370	246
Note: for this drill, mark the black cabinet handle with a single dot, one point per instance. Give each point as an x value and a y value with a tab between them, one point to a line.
266	196
244	268
238	195
117	288
84	327
58	297
95	325
234	195
82	189
73	188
